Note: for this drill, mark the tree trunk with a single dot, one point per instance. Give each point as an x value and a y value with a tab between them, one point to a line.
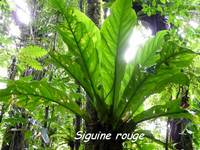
107	145
94	11
179	137
13	140
18	141
46	117
77	122
77	128
81	5
94	8
14	135
71	145
111	144
155	22
2	112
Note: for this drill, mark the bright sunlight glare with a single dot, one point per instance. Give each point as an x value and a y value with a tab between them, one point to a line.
138	37
22	10
193	24
108	12
14	30
3	74
181	32
3	85
159	126
1	18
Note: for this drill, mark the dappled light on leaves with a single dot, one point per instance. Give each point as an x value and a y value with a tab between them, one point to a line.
137	38
157	126
181	33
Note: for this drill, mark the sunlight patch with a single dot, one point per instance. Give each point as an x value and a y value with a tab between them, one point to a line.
158	126
14	30
22	10
3	85
193	24
3	72
137	39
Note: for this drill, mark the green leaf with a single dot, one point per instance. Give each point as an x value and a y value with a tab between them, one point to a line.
163	1
4	57
82	37
58	5
29	55
148	54
149	80
154	3
145	57
32	51
82	61
42	90
115	32
160	9
170	109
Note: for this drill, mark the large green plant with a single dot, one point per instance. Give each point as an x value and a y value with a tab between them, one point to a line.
95	59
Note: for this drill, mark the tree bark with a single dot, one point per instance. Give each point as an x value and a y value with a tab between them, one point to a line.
94	8
14	135
179	137
107	145
111	144
18	140
81	5
155	22
2	112
13	140
94	11
78	122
